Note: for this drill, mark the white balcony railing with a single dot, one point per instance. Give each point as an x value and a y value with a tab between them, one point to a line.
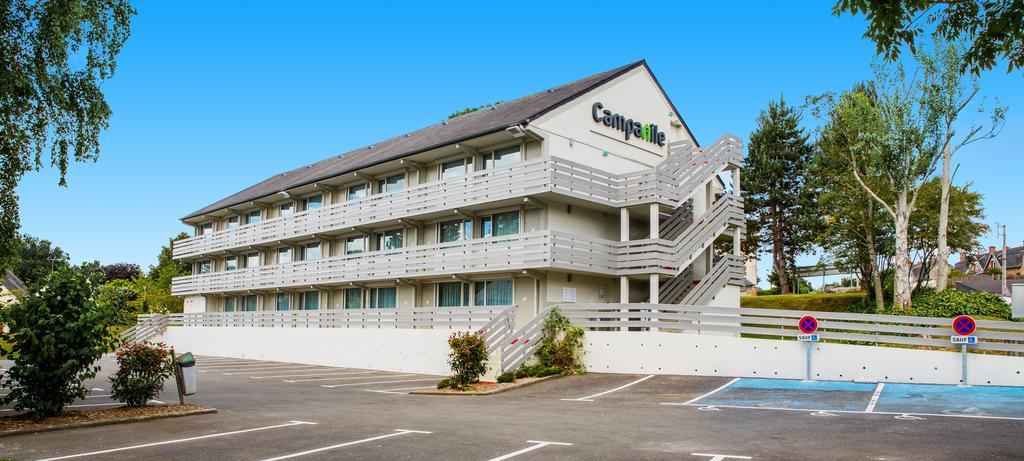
531	250
671	183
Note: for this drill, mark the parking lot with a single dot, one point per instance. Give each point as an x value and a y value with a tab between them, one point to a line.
272	410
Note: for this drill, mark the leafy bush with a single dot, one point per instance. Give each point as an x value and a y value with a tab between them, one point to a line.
118	296
950	303
562	346
55	335
444	383
506	377
468	358
537	370
142	370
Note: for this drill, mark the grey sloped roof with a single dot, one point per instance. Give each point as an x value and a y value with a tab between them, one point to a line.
12	282
464	127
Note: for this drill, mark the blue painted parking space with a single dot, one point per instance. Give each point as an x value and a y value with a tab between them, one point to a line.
850	397
792	394
952	400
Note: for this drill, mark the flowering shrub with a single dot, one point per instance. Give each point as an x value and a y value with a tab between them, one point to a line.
468	358
142	370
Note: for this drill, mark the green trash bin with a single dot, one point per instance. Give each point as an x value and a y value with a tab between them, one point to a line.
186	364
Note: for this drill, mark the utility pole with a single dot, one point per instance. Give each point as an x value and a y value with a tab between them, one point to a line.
1003	265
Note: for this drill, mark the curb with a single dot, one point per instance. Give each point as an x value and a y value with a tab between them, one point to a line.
490	392
108	422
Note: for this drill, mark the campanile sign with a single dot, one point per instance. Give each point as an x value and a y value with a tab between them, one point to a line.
646	131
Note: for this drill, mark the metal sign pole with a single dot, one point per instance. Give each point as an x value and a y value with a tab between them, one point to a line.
809	346
963	363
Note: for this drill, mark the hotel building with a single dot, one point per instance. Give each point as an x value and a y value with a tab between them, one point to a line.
590	192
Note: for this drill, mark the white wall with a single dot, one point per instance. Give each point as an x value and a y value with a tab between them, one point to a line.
707	355
407	350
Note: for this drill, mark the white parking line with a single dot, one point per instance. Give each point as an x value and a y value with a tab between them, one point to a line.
378	382
718	457
87	405
339	379
274	370
874	398
590	398
249	368
537	444
189	439
311	374
347	444
712	392
395	391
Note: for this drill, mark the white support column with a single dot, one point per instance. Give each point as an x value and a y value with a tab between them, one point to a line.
736	181
654	289
655	220
623	224
624	289
736	241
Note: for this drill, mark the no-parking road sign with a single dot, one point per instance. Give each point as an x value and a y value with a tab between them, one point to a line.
808	326
964	326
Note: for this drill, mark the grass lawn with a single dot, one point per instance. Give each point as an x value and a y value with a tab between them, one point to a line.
823	302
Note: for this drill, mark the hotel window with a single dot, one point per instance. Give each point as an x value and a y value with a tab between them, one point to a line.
453	231
309	300
354	298
233	222
253	217
356	192
452	294
383	298
252	260
391	183
356	244
502	157
314	202
284	255
311	252
455	168
205	267
229	304
230	263
283	301
285	209
250	303
206	228
492	293
389	240
499	224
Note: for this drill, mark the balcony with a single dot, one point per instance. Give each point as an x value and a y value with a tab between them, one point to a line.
670	183
532	250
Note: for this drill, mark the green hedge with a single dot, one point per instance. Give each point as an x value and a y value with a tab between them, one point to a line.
950	303
822	302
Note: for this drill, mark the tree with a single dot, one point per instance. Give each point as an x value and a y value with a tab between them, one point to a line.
952	94
120	271
155	289
802	285
120	296
965	225
53	57
780	207
36	258
55	335
899	142
994	28
857	233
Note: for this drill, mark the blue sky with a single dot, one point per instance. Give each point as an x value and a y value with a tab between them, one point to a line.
210	97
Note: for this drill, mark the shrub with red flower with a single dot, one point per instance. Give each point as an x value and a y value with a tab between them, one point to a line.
468	358
142	370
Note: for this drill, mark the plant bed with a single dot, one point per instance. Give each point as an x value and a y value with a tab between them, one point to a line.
488	388
20	424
